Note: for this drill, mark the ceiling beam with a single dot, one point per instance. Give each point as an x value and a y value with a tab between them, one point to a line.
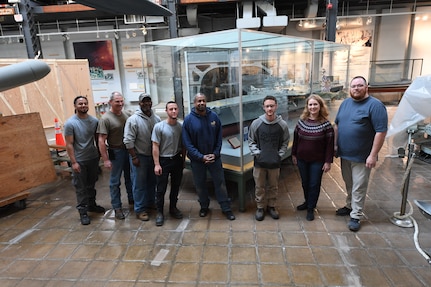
128	7
64	8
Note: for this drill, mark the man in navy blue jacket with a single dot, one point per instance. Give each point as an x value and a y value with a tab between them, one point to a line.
202	137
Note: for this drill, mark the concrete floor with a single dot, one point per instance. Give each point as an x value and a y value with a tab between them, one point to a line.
45	244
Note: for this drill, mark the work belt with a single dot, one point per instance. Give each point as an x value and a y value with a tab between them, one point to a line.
171	157
117	146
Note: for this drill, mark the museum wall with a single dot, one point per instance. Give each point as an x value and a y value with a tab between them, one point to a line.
421	41
125	73
393	36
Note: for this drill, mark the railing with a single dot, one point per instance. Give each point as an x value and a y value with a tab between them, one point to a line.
394	72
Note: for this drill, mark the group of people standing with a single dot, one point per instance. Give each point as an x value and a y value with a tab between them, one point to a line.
356	137
147	151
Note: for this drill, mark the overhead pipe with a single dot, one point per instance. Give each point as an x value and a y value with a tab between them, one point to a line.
362	15
271	19
311	10
247	20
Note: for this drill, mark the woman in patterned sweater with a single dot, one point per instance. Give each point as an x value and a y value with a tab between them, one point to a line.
313	150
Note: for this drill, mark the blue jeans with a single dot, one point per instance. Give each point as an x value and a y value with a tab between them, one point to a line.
120	164
144	183
311	176
199	170
85	182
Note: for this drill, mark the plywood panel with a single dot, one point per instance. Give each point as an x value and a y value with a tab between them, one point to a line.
74	80
51	96
25	160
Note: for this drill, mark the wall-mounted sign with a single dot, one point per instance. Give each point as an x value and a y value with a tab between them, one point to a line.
7	11
100	54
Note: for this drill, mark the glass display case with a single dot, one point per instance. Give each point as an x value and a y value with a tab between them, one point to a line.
236	69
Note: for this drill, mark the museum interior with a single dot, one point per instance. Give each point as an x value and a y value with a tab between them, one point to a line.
236	53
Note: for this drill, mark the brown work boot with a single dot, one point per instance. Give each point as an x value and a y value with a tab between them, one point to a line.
143	216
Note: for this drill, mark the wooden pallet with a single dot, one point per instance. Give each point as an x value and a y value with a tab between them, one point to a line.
20	199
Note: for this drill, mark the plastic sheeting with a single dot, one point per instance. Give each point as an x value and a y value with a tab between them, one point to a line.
414	107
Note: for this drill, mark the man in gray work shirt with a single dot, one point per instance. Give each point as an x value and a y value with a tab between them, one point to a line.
80	135
137	138
168	155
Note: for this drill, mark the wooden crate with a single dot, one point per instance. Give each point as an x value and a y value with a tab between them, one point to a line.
25	160
51	96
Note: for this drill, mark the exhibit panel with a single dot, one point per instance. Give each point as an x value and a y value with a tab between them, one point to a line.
236	69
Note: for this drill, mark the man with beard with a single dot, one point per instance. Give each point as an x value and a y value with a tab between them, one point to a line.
115	156
137	138
168	155
81	138
360	129
202	138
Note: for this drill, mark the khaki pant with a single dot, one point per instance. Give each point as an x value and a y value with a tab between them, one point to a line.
355	176
266	181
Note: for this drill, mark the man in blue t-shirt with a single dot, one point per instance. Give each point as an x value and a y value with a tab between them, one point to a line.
360	129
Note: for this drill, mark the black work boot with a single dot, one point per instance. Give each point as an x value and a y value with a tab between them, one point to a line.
160	219
85	219
93	207
175	212
310	214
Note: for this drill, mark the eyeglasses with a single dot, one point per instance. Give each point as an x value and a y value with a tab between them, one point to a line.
357	86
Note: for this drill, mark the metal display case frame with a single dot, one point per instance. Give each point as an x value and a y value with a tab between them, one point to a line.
236	69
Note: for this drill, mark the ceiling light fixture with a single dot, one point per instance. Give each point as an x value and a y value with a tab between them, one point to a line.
369	19
97	28
313	23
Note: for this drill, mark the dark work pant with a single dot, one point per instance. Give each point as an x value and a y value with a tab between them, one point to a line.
85	182
200	170
174	167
